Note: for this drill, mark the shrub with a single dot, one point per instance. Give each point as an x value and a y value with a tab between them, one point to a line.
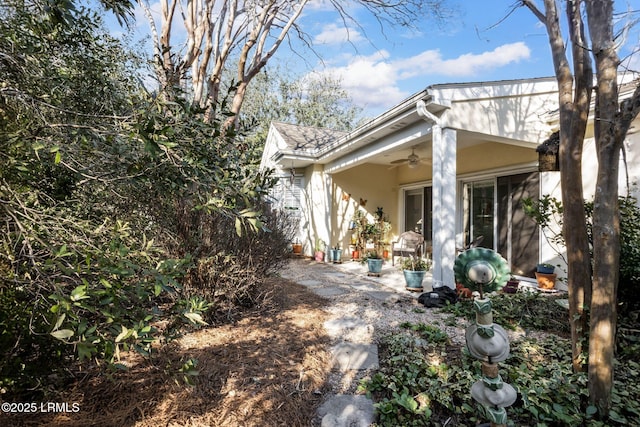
548	209
231	268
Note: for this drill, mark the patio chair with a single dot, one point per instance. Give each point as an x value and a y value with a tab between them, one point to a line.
408	244
474	244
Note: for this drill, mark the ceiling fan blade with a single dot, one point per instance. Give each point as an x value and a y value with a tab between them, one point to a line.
399	161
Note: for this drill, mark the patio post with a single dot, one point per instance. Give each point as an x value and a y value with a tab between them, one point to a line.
444	205
320	205
444	146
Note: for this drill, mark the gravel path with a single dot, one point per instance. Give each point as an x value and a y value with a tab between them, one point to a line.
365	308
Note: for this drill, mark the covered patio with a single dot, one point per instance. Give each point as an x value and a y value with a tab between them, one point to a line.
452	162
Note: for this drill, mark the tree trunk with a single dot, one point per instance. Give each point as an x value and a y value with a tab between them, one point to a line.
606	221
573	111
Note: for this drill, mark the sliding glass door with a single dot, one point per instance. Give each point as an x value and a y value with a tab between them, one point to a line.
493	212
479	212
413	205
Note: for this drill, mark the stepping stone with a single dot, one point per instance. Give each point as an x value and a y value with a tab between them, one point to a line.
349	356
347	411
330	291
310	283
337	275
390	297
365	287
339	327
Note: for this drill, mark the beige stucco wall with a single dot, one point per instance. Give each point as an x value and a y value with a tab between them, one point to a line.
511	111
314	222
492	155
406	175
374	183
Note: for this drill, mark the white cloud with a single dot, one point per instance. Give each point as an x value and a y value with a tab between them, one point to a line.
319	5
336	34
374	81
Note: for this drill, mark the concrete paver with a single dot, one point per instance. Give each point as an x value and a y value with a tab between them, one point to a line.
343	410
349	356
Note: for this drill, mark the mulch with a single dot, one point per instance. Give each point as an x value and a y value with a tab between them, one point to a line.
269	368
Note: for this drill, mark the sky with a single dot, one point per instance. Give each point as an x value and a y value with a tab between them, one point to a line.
483	41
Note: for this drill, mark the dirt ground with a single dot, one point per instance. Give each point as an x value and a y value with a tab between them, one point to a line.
268	369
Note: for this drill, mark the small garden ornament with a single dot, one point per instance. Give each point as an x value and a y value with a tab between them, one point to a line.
483	270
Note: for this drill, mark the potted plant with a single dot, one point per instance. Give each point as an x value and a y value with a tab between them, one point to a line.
545	276
297	247
336	253
374	262
414	269
319	254
545	268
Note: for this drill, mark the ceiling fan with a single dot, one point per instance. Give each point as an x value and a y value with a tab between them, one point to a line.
413	160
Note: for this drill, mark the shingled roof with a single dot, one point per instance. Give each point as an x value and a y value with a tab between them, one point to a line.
306	139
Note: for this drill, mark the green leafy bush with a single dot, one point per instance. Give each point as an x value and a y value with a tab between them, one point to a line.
548	210
112	201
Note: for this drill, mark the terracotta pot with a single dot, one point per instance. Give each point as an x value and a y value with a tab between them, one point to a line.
297	248
355	255
385	254
546	281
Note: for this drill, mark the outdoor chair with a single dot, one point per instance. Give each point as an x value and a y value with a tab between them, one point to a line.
408	244
474	244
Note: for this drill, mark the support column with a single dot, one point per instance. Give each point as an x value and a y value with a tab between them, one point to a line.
444	147
444	193
318	206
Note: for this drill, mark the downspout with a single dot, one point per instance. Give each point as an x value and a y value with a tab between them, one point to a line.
443	186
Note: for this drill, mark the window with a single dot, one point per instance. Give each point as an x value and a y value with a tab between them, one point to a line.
288	194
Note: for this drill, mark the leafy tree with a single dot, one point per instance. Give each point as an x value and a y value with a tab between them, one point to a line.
592	55
312	100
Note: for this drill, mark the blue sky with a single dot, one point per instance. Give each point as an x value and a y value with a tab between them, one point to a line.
482	42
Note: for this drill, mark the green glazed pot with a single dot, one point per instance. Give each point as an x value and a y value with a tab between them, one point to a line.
375	265
414	279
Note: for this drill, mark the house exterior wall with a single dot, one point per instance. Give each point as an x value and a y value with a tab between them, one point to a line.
492	155
371	182
404	175
511	110
315	223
